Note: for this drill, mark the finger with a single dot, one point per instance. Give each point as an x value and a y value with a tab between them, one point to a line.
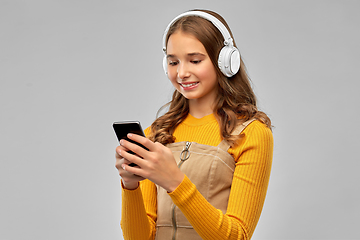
135	170
127	161
118	150
126	174
119	164
142	140
121	148
120	161
129	157
138	150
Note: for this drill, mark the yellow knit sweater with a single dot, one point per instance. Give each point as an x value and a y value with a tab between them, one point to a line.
253	157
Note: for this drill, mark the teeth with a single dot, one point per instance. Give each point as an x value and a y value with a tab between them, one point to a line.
188	85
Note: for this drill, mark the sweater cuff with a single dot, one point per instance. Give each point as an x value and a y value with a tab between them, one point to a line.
131	195
183	192
124	188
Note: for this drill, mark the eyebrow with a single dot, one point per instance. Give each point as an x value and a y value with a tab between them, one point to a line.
189	54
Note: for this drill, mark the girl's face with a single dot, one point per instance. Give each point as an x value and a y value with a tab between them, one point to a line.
190	69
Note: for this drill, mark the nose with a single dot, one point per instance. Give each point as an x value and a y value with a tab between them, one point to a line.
183	71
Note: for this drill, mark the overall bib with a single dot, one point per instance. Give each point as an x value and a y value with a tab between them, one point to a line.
211	170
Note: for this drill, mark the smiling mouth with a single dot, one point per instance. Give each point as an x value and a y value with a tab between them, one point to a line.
187	85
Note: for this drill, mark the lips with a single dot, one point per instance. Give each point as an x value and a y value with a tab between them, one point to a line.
187	86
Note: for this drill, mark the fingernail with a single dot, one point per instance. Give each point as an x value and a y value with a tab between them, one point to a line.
123	166
119	152
121	142
129	135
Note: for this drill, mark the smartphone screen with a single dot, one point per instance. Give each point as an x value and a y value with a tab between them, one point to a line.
123	128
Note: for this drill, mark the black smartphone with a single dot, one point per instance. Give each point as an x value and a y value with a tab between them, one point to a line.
123	128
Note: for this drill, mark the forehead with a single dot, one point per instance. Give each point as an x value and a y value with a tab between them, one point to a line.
184	43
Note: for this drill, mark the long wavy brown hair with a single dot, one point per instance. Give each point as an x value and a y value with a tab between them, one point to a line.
236	101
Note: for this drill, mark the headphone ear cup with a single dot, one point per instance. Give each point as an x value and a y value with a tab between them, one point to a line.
165	65
229	60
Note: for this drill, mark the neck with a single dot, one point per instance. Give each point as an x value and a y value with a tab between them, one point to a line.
199	110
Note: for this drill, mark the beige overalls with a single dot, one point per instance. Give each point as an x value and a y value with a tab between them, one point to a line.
211	170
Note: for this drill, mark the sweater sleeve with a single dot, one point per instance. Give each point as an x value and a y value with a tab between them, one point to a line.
138	213
253	158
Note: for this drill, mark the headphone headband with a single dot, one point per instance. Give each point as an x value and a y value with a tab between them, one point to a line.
229	59
216	22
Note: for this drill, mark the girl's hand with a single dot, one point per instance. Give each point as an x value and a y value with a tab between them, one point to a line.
130	181
158	164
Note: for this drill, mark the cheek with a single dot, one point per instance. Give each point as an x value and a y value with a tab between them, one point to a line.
208	73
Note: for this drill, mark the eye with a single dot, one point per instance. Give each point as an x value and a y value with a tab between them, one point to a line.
196	61
172	63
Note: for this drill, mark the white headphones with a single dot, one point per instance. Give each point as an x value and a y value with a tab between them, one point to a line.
229	57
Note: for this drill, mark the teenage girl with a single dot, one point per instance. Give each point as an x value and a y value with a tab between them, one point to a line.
207	168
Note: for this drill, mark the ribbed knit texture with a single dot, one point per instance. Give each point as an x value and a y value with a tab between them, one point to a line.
253	157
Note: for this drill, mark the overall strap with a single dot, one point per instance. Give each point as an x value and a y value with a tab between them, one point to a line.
224	145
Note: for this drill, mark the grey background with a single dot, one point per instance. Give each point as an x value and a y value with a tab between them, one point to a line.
68	69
